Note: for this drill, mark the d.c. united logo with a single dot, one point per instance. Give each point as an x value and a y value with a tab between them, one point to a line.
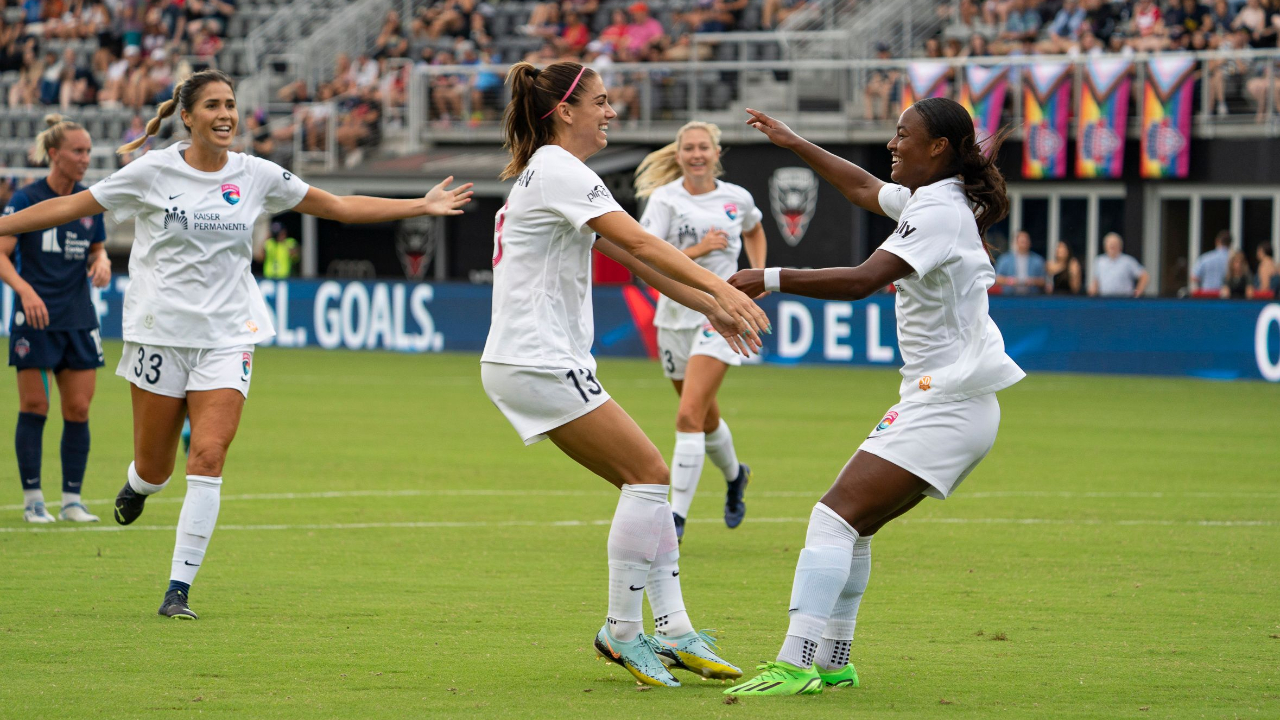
887	421
793	197
246	362
231	193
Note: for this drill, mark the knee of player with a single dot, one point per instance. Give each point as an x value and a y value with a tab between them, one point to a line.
76	411
38	405
691	419
206	460
653	472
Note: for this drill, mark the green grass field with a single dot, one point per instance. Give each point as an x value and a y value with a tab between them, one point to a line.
387	547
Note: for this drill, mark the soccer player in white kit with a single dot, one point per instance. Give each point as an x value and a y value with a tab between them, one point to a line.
711	221
537	366
192	311
945	194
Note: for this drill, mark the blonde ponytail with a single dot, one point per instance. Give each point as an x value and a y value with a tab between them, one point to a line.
55	132
185	95
661	167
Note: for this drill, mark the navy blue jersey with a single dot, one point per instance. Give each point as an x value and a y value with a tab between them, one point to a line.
55	261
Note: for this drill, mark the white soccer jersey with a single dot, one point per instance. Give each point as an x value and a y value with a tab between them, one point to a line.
542	264
682	219
189	277
951	349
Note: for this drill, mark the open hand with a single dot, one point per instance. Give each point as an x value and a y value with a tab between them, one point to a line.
776	130
715	239
748	316
724	324
443	201
100	272
33	307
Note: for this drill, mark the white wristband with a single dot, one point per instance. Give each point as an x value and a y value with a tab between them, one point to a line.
773	279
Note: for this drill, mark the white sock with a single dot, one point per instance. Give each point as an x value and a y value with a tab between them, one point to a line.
633	544
70	498
720	450
195	526
663	586
142	487
837	638
821	574
30	497
686	468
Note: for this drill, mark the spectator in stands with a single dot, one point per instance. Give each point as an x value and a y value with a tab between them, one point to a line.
1253	18
1218	70
977	47
25	92
1088	45
1257	86
1146	26
1102	17
1238	283
117	77
211	16
1021	271
1268	275
486	86
1116	274
294	92
364	74
615	34
775	12
137	129
1064	30
1065	274
645	31
881	88
391	42
1211	267
576	34
446	91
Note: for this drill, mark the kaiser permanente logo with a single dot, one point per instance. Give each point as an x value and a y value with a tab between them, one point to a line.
213	221
175	218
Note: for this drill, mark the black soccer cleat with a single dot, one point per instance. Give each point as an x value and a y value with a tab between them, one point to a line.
734	507
679	521
175	606
129	505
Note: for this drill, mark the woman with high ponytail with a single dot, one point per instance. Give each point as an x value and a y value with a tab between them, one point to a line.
537	366
945	192
712	222
192	311
54	327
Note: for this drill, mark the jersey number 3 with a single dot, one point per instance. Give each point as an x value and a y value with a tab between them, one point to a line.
150	374
497	234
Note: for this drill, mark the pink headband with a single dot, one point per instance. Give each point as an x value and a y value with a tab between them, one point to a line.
572	85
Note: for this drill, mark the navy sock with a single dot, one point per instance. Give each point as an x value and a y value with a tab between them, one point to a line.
28	443
180	586
75	454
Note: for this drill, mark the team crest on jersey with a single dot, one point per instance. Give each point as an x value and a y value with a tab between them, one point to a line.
731	210
793	197
246	362
253	326
708	331
887	421
231	193
87	222
926	382
22	348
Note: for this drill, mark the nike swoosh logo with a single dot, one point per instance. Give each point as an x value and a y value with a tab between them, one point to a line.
792	609
685	466
675	573
633	587
178	195
188	562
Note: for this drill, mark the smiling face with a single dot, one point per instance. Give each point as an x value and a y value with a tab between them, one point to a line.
72	159
915	157
588	118
697	154
213	116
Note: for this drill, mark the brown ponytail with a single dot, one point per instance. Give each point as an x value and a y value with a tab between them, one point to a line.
185	95
974	162
52	137
528	124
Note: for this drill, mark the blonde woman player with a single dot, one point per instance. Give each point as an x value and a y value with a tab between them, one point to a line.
710	221
54	328
537	366
192	312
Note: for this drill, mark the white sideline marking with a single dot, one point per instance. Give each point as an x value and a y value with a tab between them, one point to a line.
605	522
815	494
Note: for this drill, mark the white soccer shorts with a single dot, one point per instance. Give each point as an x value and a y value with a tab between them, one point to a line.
941	443
537	400
175	371
675	347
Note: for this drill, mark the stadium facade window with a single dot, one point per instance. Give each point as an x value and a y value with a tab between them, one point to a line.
1079	216
1182	221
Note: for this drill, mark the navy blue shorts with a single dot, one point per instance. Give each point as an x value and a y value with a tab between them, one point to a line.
55	349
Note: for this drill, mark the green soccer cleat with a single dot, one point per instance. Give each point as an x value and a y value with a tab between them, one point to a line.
696	652
637	656
780	678
842	678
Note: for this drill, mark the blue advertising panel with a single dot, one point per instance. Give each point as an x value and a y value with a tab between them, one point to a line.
1200	338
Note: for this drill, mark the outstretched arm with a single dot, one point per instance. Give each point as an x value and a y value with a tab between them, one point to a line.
626	233
859	186
355	209
847	283
50	213
683	294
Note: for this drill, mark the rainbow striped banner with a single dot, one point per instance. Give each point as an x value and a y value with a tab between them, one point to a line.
1046	105
983	96
1103	118
924	80
1166	117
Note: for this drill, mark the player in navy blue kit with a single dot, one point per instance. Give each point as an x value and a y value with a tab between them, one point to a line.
54	328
